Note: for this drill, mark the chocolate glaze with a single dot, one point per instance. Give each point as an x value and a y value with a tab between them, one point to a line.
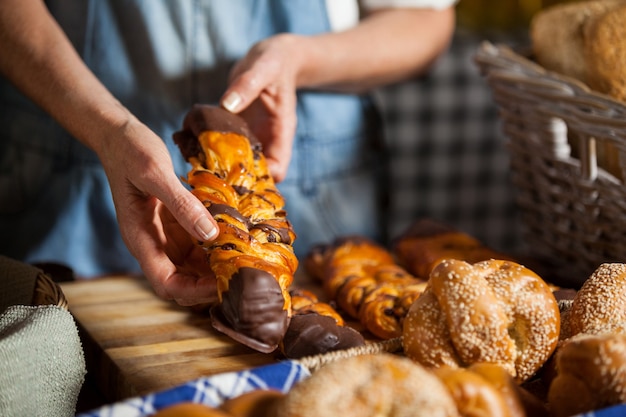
252	310
312	334
224	209
241	190
204	117
270	231
187	143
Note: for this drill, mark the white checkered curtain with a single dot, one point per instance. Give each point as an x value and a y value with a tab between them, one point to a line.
449	159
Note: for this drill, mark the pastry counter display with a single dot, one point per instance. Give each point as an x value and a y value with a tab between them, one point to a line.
437	324
141	348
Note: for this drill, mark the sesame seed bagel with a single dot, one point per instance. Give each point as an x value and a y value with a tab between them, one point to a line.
493	311
369	385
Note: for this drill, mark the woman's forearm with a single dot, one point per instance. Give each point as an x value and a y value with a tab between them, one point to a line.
39	59
387	46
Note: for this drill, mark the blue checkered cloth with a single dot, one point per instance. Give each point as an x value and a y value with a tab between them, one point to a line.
614	411
216	389
211	391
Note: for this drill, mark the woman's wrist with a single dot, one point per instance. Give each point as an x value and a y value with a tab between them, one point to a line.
302	54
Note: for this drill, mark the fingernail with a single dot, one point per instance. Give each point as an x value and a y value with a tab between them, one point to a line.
231	101
205	229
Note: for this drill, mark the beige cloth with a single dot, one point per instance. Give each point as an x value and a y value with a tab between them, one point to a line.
42	364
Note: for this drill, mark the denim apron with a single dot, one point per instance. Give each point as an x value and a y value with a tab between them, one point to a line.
158	58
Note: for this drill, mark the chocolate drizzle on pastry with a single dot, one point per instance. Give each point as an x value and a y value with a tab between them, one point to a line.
217	210
252	257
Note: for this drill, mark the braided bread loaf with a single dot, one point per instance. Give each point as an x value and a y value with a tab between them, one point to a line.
364	280
252	258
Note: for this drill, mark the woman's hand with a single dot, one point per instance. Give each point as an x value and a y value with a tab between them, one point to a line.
157	215
160	220
263	90
388	45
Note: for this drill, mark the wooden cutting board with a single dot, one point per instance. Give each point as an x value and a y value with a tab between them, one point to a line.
136	343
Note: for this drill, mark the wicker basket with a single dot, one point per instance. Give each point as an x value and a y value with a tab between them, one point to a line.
48	292
568	160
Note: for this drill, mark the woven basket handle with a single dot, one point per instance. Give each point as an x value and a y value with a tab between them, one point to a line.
313	363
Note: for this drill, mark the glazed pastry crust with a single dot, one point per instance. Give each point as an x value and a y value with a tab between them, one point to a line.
363	279
252	258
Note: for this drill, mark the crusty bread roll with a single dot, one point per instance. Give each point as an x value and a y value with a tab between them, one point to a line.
476	396
367	385
518	399
605	52
591	374
585	40
558	35
257	403
493	311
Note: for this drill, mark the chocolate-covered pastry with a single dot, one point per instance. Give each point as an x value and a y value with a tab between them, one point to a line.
316	328
252	257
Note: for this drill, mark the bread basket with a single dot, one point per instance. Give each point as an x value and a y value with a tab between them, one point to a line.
48	292
31	284
567	147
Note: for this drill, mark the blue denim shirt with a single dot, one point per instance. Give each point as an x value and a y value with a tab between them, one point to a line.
158	58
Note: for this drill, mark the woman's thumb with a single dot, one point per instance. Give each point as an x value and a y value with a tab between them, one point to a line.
191	214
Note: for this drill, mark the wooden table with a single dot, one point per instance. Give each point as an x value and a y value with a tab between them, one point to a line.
136	343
